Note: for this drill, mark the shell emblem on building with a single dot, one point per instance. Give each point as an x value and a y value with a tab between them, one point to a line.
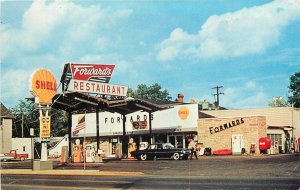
183	112
43	86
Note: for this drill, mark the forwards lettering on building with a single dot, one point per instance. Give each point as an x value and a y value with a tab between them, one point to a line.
225	126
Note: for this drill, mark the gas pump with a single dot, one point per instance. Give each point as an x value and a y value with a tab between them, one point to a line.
90	153
77	156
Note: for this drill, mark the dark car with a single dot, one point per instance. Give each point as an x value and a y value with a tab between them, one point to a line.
161	150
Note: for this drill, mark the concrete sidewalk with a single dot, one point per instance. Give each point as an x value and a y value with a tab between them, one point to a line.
68	172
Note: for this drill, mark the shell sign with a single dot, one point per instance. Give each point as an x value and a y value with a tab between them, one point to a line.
43	86
183	112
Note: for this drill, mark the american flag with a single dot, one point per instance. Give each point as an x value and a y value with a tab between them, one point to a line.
80	124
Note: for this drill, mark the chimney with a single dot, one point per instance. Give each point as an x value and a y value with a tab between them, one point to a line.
180	97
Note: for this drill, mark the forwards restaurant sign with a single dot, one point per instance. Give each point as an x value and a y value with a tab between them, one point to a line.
88	72
91	78
97	88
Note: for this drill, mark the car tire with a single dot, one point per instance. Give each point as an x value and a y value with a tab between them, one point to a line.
143	157
176	156
22	158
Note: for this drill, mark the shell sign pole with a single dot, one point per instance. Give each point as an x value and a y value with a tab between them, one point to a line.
43	86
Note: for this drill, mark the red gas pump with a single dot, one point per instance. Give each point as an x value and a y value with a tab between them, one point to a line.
264	144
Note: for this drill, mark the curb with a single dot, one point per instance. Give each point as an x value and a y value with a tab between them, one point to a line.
69	172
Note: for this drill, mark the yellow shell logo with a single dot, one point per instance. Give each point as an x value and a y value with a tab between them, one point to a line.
43	86
183	112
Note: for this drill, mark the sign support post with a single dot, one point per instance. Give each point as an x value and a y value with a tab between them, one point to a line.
42	85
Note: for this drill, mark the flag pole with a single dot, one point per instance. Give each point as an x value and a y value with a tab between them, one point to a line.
84	147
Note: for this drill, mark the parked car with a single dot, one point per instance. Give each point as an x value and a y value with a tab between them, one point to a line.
161	150
5	158
16	156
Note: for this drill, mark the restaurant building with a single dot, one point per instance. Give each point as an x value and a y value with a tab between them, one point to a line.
280	124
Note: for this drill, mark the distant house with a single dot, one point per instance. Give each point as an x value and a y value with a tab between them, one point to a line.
6	118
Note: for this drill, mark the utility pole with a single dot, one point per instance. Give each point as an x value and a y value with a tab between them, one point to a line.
22	122
218	94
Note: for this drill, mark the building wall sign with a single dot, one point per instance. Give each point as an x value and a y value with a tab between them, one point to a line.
225	126
183	112
97	88
112	123
139	125
43	86
88	72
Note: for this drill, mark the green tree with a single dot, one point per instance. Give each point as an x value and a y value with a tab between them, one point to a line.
153	92
27	115
278	102
294	89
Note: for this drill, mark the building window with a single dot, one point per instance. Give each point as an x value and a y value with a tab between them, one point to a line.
1	121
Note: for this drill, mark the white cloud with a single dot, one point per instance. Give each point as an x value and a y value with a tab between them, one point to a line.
65	23
13	85
50	34
249	95
179	42
247	31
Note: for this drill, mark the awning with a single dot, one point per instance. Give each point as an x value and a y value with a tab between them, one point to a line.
286	128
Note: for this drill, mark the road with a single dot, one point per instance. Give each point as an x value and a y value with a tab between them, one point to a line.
143	182
228	172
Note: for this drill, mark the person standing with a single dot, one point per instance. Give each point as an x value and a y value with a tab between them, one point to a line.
192	147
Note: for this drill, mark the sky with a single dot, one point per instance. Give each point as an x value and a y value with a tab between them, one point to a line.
251	48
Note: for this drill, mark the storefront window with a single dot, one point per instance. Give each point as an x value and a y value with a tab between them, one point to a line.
160	138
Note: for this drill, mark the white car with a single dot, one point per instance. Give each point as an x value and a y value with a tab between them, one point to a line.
5	158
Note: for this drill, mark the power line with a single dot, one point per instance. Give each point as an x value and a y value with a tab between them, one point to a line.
217	103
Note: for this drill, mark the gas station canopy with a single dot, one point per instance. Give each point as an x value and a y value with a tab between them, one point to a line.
83	103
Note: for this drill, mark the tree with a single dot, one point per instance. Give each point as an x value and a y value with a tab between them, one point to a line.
278	102
153	92
27	115
294	89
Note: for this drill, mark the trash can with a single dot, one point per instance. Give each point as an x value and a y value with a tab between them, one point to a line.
207	151
252	148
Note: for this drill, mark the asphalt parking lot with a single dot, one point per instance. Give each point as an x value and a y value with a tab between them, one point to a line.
208	172
285	165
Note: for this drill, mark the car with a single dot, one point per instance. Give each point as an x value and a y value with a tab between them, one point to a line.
5	158
17	156
161	150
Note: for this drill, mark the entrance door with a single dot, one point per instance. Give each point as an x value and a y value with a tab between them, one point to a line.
237	144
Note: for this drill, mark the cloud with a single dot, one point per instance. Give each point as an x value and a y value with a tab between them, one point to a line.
13	85
244	32
248	96
63	24
179	42
50	34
